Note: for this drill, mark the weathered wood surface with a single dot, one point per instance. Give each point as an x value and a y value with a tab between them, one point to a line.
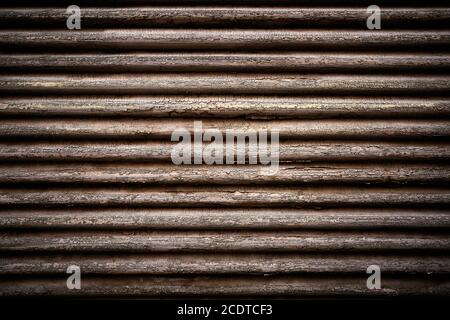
302	151
163	129
216	62
151	175
220	39
227	197
217	263
225	219
243	17
85	170
291	286
197	83
234	3
230	241
227	107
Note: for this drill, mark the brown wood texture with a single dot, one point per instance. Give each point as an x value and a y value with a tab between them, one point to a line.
290	286
225	84
231	241
163	129
224	219
224	17
235	3
217	264
220	39
152	175
216	62
250	107
87	179
226	197
291	151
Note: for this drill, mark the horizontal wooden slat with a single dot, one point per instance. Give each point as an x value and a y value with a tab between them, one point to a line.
225	107
224	174
85	170
223	197
205	219
160	151
224	84
220	264
138	286
223	16
202	241
219	39
233	3
163	129
232	62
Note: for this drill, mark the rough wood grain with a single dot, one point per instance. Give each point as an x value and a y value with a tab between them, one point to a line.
226	197
189	175
227	62
235	3
292	286
226	107
230	241
220	39
243	17
267	264
302	151
163	129
85	169
225	219
166	83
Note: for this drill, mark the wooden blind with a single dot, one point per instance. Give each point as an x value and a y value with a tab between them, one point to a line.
86	176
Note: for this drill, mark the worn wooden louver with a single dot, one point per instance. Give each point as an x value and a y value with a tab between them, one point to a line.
87	179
